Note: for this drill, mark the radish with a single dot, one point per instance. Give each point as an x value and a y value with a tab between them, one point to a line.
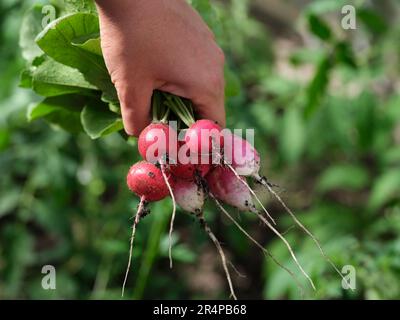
233	189
243	157
189	196
147	181
185	168
188	171
203	138
226	182
225	186
157	141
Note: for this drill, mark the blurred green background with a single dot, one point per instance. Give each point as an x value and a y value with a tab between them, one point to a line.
325	103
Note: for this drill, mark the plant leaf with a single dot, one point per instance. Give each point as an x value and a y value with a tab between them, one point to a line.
52	78
318	27
91	45
72	103
99	122
57	42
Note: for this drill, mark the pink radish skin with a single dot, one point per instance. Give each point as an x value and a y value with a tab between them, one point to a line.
227	187
241	155
189	196
147	181
157	140
200	136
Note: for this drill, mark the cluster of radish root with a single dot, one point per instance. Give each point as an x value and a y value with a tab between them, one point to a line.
231	161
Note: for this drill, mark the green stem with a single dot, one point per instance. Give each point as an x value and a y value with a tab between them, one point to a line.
179	108
166	115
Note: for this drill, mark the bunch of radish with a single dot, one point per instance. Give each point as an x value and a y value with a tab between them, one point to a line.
198	162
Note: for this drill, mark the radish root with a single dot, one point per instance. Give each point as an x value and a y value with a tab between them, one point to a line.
141	211
265	251
266	184
214	239
171	227
287	245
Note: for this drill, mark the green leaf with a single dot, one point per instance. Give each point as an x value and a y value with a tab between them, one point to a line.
79	6
57	38
30	27
98	122
52	78
91	45
317	86
71	103
57	41
25	79
386	187
318	27
66	120
343	177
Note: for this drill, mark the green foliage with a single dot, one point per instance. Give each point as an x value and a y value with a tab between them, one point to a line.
327	122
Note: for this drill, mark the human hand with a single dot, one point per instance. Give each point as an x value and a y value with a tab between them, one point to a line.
165	45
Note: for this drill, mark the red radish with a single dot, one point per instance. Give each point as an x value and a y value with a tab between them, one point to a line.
243	157
188	171
146	180
202	136
226	186
156	141
189	196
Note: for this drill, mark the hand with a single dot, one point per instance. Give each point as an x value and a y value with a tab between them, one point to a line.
165	45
